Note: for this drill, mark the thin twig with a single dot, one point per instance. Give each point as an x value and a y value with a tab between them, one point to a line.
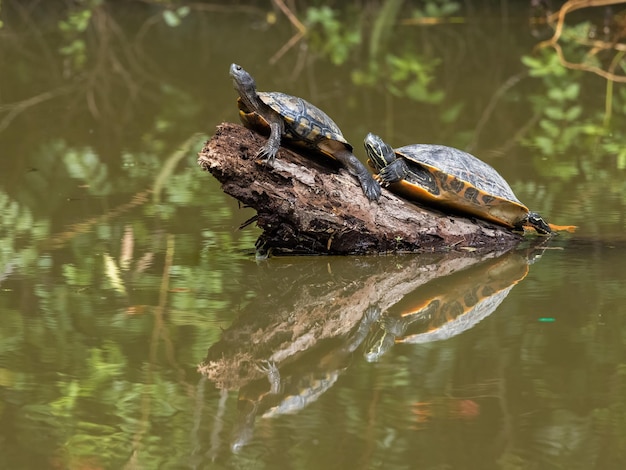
295	38
289	14
568	7
506	86
16	108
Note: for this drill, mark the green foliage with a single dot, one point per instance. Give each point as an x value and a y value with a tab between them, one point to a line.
546	65
333	38
412	77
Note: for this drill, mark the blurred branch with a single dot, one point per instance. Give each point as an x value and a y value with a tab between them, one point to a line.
608	108
14	109
58	240
506	86
568	7
295	38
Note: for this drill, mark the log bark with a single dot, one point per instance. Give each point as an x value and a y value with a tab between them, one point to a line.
305	205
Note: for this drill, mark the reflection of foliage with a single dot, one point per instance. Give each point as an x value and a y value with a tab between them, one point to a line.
85	166
20	231
436	9
73	28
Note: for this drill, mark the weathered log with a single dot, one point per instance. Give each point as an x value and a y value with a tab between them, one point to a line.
306	206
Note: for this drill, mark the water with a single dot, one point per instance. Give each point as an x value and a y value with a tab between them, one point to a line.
138	331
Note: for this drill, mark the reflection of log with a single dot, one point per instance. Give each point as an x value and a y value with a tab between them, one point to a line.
308	303
304	206
293	342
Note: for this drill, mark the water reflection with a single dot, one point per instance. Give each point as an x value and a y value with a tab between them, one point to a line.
282	354
449	305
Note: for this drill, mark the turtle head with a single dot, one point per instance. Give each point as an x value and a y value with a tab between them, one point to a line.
540	225
379	153
242	80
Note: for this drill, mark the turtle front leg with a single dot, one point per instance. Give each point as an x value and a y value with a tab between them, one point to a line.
269	150
393	172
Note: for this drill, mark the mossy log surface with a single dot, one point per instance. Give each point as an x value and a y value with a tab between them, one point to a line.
307	205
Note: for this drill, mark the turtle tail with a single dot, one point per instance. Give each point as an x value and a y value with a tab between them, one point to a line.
563	228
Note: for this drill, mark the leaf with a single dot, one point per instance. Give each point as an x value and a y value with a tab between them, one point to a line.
171	18
571	91
545	144
556	94
451	114
531	62
113	273
183	11
554	113
573	113
550	127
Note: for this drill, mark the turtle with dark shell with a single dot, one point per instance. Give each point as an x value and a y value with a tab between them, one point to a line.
298	122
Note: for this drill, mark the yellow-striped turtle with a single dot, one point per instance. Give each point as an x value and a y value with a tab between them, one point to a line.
299	122
451	179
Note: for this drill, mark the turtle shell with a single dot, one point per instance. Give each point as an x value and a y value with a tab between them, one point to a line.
458	181
305	123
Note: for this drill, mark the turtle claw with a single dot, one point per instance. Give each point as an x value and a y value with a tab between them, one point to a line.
267	155
371	188
384	177
265	366
270	369
368	183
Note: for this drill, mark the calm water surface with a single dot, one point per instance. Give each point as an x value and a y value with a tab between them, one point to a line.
138	331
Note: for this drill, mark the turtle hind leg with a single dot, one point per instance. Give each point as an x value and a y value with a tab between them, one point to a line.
370	186
536	222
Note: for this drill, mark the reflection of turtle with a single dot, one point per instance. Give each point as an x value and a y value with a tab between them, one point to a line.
298	121
453	179
299	384
448	306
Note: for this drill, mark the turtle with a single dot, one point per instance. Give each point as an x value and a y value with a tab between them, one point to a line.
448	306
298	122
454	180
